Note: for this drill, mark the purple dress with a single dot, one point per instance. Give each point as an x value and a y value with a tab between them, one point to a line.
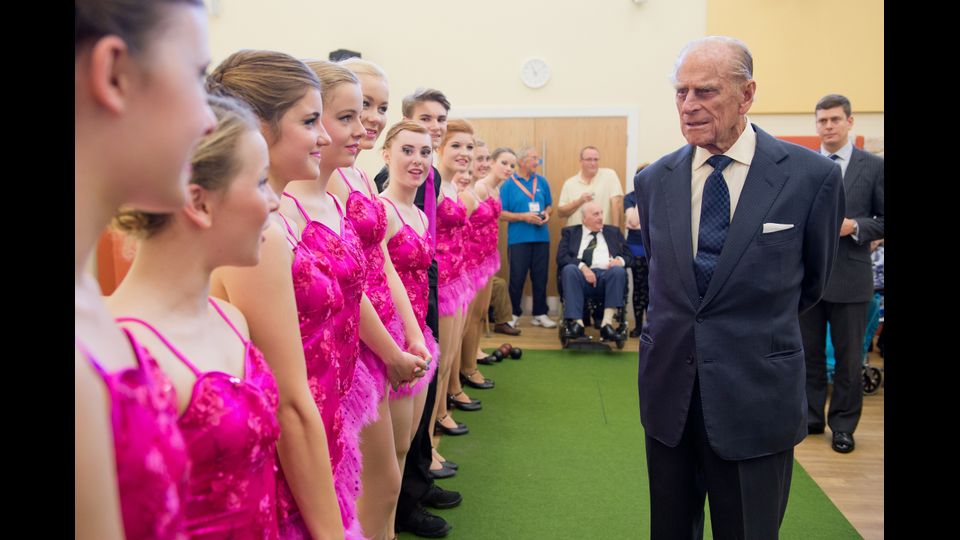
454	289
328	278
230	427
369	220
411	255
152	463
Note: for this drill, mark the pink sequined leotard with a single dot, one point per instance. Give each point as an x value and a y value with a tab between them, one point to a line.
453	284
152	463
328	275
411	255
481	256
230	427
369	219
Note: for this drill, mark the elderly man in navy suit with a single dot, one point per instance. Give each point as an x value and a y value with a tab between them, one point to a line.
850	289
740	231
591	259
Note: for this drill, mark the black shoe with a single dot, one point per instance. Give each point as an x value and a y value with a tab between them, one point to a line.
488	360
444	472
461	429
635	332
843	442
450	465
437	497
486	384
814	429
607	333
504	328
574	330
472	405
423	523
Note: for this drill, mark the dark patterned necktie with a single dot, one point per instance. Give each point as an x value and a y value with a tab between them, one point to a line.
588	252
714	222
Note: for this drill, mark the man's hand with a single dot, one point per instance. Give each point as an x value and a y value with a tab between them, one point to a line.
589	275
586	197
532	218
615	262
848	227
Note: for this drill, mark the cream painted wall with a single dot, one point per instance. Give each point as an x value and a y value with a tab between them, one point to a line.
604	54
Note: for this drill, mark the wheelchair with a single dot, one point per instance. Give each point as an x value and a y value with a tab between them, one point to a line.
593	309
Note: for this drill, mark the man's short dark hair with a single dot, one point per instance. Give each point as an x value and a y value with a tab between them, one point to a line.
830	101
422	95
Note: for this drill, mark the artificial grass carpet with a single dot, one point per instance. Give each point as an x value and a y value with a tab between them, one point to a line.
558	452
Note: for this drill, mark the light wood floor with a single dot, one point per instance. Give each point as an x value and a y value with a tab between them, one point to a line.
854	481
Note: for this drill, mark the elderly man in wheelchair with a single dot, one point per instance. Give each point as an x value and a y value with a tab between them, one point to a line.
591	261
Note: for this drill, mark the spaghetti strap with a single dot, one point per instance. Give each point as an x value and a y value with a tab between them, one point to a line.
336	202
366	181
299	206
345	181
395	209
229	322
169	345
289	230
90	358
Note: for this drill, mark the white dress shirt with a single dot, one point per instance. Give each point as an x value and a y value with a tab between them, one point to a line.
601	253
735	175
843	156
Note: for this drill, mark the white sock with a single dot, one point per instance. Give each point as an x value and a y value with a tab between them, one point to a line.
608	316
580	321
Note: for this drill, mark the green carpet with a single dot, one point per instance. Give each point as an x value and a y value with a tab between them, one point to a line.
558	452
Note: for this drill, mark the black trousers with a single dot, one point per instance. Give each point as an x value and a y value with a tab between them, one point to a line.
416	470
531	257
848	324
641	290
747	498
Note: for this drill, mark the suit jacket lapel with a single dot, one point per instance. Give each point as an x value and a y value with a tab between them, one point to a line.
853	170
762	186
676	187
576	236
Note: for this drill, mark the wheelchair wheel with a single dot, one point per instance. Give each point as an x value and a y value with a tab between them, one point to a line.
564	340
620	343
872	380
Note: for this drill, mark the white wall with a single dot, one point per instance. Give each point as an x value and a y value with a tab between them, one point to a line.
605	53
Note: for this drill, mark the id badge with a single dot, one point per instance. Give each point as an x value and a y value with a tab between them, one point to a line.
535	207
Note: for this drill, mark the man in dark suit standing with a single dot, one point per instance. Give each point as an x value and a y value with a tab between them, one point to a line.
740	231
847	297
591	259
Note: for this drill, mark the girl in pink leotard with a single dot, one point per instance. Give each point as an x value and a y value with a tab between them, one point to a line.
408	152
454	290
381	474
132	144
285	95
227	395
309	206
484	259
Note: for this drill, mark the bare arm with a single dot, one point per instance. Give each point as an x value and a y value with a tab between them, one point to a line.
401	365
567	210
411	328
96	501
265	295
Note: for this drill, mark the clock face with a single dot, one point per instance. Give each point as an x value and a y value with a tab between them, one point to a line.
535	73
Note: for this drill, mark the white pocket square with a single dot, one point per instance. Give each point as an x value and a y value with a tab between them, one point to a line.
774	227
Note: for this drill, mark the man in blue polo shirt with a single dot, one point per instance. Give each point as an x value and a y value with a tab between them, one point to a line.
527	206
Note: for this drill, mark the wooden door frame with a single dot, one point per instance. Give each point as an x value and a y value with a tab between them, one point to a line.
631	113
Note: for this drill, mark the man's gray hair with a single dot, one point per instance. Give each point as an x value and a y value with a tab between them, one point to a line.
583	209
741	66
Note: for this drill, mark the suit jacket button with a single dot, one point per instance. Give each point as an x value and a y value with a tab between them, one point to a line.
699	319
690	359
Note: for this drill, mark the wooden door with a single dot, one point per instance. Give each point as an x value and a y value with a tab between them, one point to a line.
559	140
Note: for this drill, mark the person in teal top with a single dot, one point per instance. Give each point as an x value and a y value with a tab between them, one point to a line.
527	207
